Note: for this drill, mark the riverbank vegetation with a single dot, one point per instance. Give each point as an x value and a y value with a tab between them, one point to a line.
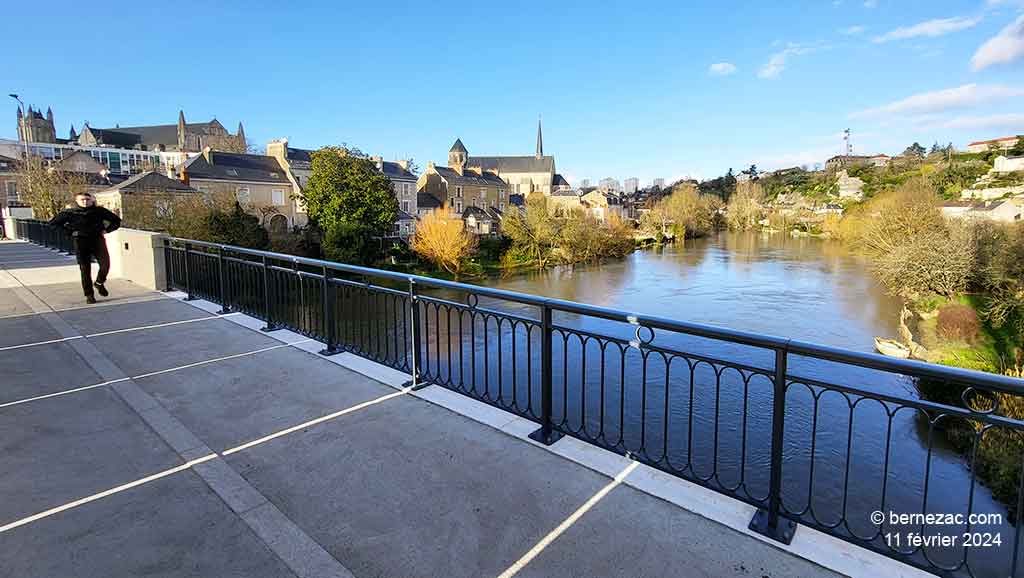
684	213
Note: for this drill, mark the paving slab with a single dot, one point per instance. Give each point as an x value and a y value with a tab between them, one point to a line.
69	293
171	527
140	352
404	488
88	320
43	369
11	304
63	449
237	400
631	534
25	329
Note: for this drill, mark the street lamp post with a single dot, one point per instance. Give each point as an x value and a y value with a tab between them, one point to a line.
22	132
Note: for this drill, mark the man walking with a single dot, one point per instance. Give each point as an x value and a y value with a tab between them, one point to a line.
88	223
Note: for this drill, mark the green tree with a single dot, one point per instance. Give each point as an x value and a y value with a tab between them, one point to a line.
915	150
1018	147
534	232
351	201
236	227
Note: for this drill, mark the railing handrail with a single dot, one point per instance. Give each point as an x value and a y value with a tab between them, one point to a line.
823	352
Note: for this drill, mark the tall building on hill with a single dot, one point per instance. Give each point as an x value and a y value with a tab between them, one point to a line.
34	127
632	184
659	183
609	184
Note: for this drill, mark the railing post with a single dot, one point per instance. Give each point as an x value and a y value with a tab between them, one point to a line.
546	434
768	521
188	276
330	326
224	309
266	297
416	339
168	270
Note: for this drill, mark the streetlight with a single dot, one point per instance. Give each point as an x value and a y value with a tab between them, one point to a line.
22	132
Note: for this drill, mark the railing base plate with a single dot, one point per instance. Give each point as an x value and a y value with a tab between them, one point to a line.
550	438
269	328
224	311
417	385
782	532
329	351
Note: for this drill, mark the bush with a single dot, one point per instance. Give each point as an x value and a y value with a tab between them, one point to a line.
236	228
958	322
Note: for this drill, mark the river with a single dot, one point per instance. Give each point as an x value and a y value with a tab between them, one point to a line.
801	288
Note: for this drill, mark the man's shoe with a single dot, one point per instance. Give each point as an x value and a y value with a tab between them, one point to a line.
90	299
102	290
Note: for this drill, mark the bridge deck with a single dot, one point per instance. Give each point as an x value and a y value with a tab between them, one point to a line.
144	436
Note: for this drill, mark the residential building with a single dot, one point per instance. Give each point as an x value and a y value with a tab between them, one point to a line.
1005	164
296	161
980	146
880	160
1003	210
560	184
34	127
850	187
609	184
458	187
182	137
482	222
658	183
602	205
258	182
94	174
426	202
585	183
563	203
8	182
161	189
522	174
631	185
404	183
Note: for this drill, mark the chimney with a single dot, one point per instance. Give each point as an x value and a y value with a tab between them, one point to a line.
183	174
170	171
208	155
378	162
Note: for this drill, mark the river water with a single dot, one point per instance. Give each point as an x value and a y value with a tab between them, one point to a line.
839	462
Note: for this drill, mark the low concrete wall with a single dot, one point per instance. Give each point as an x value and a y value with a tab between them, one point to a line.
137	256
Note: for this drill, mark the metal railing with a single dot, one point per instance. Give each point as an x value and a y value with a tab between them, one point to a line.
772	422
40	233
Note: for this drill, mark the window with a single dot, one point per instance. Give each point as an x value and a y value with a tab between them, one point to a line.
242	194
277	197
501	206
458	192
405	206
458	207
483	193
501	194
12	189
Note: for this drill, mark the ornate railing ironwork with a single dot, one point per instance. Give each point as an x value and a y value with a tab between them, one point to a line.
772	422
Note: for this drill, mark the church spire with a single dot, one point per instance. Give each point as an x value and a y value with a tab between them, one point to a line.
540	141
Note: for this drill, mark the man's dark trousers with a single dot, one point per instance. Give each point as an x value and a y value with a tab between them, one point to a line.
85	249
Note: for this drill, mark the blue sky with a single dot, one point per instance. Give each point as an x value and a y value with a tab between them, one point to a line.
625	89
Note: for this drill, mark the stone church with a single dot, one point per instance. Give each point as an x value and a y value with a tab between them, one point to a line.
181	137
34	127
524	174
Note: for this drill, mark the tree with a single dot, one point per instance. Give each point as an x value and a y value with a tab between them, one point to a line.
744	209
350	200
236	227
534	231
1018	148
688	213
442	239
46	189
915	150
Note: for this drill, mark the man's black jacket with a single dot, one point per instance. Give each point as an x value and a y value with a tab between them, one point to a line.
87	221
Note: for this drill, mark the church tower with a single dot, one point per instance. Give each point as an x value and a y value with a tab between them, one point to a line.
34	127
457	156
540	141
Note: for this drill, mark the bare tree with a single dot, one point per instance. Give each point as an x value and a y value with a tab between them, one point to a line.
46	189
442	239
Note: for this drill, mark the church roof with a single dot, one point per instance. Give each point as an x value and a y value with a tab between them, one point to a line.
522	164
458	147
148	136
237	167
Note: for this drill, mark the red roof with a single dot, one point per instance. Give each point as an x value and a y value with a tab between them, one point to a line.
1005	138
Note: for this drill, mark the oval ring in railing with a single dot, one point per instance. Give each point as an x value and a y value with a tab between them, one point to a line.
650	335
976	393
472	300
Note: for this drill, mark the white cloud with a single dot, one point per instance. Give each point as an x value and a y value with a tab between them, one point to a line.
1004	47
929	28
777	61
1011	122
964	96
852	30
722	68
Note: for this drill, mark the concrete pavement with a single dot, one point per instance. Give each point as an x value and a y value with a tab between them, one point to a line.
147	437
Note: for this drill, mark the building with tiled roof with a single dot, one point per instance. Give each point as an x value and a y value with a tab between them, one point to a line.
523	174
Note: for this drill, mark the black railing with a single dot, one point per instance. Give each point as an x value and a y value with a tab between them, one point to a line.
40	233
807	434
